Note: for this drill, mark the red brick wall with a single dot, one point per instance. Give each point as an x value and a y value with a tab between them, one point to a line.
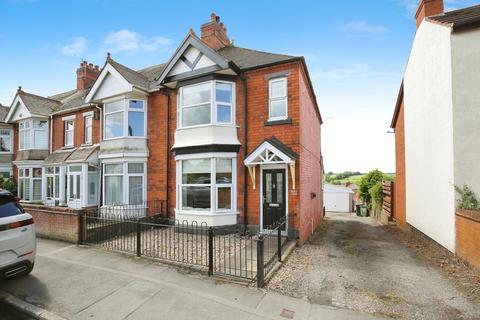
79	129
468	236
311	195
54	222
399	200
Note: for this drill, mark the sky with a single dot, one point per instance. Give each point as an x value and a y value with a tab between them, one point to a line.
356	53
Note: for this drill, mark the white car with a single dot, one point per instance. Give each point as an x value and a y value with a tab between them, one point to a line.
17	238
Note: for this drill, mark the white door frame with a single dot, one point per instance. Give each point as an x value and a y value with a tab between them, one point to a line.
75	203
268	167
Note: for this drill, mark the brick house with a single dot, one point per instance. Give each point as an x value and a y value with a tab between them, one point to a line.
6	145
225	135
437	132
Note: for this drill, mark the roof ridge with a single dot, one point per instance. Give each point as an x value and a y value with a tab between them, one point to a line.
150	67
37	96
73	91
124	66
259	51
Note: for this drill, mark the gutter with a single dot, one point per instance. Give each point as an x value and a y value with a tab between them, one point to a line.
245	151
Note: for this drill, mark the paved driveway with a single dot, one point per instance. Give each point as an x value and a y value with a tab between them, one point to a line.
86	283
355	263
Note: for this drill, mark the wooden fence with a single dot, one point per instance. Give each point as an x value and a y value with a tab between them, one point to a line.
388	202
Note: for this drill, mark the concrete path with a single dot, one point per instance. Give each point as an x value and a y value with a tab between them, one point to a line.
355	263
86	283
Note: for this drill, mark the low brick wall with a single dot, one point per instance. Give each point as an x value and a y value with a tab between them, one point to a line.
468	236
58	223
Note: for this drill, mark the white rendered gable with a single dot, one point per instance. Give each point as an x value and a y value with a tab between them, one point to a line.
193	59
110	83
18	111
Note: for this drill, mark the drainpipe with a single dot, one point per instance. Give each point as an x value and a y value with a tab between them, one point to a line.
100	169
51	133
166	93
245	151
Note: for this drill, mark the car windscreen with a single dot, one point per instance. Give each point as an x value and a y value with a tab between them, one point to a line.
8	208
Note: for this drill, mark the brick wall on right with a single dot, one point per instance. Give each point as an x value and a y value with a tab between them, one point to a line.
468	236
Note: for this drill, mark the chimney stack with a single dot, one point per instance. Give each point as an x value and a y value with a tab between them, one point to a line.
87	73
428	8
214	33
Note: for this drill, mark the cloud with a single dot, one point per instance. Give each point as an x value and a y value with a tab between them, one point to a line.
131	41
362	27
75	48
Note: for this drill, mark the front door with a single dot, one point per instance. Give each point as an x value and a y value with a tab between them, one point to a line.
274	194
74	190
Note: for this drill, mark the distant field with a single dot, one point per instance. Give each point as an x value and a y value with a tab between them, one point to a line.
356	178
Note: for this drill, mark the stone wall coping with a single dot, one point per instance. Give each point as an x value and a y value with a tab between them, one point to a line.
473	215
54	210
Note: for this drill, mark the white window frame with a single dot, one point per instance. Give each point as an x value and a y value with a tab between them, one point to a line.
213	183
31	179
125	180
69	131
213	105
126	109
29	133
270	98
56	180
3	132
88	128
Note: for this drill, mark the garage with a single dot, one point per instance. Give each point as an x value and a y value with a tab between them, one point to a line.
338	198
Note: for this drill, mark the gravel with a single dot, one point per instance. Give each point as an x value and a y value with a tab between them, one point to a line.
353	262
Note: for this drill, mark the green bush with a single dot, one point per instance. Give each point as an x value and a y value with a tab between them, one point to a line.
367	182
8	184
468	200
376	194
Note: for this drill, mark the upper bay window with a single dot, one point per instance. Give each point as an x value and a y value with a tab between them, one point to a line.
207	103
277	99
124	118
33	134
6	140
88	129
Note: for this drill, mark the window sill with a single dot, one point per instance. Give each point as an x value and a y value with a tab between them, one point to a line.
278	122
205	213
68	147
86	144
228	125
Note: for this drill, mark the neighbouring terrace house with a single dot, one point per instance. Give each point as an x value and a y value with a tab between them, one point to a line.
437	124
222	134
6	145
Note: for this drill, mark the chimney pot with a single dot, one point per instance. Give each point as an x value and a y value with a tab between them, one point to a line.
213	16
19	88
109	56
215	34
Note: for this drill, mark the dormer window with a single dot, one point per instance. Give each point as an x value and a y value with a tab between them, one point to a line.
196	101
277	102
124	118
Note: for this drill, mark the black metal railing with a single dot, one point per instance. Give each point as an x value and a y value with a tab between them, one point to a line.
270	246
233	254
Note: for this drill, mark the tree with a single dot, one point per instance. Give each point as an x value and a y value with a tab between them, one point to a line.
367	182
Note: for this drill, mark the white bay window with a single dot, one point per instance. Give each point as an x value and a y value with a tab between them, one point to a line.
124	183
30	184
207	184
206	103
124	118
33	134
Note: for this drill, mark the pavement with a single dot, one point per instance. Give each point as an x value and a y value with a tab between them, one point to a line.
76	282
356	263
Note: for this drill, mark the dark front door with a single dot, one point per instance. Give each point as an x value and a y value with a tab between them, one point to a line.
274	194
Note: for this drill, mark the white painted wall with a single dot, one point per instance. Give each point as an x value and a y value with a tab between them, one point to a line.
337	199
430	194
206	135
110	87
466	108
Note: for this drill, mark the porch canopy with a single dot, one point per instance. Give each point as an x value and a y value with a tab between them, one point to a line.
271	152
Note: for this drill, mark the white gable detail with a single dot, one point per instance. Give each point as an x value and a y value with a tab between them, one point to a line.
193	59
266	153
110	83
18	111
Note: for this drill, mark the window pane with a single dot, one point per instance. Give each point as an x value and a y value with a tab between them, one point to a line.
223	92
224	114
196	171
49	170
113	190
114	106
57	186
37	172
75	169
136	125
5	174
50	187
114	125
37	190
224	200
279	188
5	141
193	116
114	168
196	94
278	108
69	138
40	139
69	125
40	124
278	89
88	121
135	190
77	183
136	104
135	168
268	187
224	171
92	188
195	198
88	134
